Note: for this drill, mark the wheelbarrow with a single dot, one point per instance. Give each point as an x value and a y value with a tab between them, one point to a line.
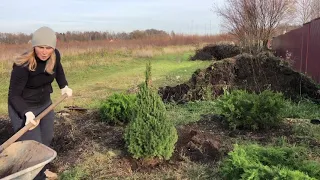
23	160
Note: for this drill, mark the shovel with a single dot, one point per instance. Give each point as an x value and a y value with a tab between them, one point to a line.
24	159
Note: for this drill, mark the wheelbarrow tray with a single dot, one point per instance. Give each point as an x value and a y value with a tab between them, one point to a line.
23	160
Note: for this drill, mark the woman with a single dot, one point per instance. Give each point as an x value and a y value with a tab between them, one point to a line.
30	87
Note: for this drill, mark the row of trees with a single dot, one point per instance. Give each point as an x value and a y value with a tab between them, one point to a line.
252	22
10	38
255	22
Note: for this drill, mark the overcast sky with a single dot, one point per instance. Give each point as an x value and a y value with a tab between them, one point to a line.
180	16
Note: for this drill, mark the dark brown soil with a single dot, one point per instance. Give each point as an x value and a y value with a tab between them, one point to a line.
252	73
77	134
216	52
205	141
6	130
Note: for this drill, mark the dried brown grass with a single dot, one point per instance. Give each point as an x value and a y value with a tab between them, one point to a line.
10	51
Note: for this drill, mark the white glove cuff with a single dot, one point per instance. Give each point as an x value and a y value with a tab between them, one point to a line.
29	113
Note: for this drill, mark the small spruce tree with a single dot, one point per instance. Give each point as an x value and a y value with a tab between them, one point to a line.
150	134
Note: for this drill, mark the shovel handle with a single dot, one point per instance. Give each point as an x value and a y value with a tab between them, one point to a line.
23	130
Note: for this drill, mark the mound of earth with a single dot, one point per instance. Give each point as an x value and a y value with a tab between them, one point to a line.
216	52
252	73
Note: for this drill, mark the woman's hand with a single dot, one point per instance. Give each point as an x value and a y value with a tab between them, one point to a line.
66	90
30	119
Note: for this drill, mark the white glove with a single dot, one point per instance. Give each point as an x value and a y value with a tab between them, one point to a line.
66	90
30	119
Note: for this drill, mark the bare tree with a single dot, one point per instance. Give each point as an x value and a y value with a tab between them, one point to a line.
306	10
254	21
315	12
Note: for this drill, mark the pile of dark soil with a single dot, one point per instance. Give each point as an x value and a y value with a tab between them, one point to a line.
216	52
253	73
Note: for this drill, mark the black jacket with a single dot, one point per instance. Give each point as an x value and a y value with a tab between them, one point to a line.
33	88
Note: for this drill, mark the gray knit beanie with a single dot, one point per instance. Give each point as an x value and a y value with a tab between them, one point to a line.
44	36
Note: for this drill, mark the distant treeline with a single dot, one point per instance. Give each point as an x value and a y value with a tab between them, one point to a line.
10	38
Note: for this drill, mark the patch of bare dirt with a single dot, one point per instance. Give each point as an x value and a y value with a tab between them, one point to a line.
80	135
77	133
205	141
198	146
6	130
253	73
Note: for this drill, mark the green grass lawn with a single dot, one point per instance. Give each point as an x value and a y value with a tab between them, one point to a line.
94	76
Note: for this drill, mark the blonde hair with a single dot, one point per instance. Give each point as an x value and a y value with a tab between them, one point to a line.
29	58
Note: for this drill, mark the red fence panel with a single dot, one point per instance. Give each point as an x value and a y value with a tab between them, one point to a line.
302	45
294	47
289	45
278	47
304	48
314	51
